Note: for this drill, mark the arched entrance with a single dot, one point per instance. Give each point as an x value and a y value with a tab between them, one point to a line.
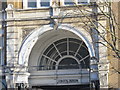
57	57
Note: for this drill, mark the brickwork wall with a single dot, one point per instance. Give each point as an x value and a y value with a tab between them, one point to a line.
114	76
16	3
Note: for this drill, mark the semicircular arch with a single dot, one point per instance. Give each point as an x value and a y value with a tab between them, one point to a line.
32	39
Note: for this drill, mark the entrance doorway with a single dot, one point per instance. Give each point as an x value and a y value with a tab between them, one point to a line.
69	87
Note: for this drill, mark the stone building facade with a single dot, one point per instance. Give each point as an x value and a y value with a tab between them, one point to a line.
53	44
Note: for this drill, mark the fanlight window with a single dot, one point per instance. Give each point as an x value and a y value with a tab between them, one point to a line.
67	53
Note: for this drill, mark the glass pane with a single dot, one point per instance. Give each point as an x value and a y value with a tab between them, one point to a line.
62	47
75	40
83	51
69	2
32	3
0	56
73	46
59	41
68	63
43	63
83	2
51	52
45	3
1	42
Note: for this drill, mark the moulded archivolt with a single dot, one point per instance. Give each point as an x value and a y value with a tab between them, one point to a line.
31	40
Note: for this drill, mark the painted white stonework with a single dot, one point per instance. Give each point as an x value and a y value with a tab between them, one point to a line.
27	39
